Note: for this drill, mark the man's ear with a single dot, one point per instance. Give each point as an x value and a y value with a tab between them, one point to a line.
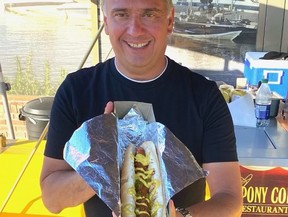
106	28
170	21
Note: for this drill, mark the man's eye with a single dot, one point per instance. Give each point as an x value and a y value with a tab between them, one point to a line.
150	15
120	15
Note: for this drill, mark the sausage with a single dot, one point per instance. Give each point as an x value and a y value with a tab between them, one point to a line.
142	193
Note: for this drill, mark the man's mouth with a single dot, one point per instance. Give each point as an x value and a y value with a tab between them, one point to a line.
138	45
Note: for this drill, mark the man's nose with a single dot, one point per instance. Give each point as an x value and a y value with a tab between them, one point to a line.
135	26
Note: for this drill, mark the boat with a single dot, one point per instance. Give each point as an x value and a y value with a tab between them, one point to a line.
75	9
206	30
24	3
64	8
202	25
214	23
74	6
243	5
239	32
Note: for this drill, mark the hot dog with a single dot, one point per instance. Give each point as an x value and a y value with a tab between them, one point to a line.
141	186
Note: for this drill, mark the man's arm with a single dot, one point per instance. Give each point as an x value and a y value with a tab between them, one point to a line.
61	186
224	182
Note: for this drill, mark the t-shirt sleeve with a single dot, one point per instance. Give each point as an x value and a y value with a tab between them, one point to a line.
219	143
62	122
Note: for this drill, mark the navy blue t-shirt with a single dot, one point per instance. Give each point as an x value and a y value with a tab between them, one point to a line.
187	103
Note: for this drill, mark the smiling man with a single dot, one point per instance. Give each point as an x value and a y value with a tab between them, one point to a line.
189	105
138	33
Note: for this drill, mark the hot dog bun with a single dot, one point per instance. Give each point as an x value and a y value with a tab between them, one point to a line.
158	208
127	190
141	186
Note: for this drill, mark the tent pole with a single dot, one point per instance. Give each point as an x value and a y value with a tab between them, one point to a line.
91	46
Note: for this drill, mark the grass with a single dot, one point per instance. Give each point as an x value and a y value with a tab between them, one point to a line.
26	83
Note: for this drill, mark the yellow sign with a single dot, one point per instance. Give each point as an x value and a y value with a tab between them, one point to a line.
265	192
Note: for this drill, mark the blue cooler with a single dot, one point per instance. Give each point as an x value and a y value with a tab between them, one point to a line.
276	71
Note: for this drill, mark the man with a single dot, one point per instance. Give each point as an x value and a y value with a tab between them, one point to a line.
188	104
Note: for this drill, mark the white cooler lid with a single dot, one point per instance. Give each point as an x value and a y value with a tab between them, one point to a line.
255	62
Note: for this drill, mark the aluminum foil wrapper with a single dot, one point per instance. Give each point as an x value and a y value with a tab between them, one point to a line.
96	152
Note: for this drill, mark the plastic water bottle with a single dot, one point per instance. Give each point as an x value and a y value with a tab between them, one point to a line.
262	104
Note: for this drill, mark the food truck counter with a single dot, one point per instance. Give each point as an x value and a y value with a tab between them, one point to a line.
262	146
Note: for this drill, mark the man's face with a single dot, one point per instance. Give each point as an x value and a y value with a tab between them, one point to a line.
138	31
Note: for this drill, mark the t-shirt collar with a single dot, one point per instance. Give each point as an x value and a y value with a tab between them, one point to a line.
142	81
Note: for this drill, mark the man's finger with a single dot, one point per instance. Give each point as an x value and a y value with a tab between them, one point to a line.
109	107
172	210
